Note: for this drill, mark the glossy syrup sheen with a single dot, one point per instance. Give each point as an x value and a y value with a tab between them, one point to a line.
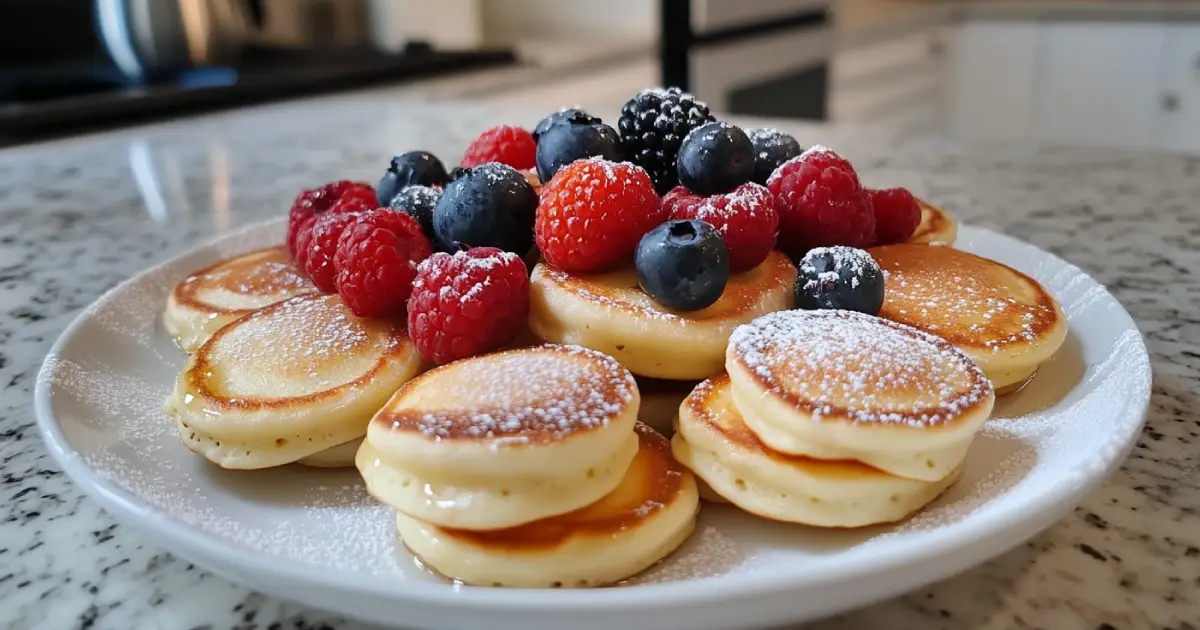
653	481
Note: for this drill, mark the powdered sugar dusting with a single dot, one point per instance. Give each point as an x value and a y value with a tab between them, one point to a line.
865	368
848	262
561	390
748	200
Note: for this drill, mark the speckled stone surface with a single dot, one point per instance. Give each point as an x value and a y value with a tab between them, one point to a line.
76	217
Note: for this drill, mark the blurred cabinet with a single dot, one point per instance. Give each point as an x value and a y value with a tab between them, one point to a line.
993	84
900	82
1178	121
1098	83
1133	84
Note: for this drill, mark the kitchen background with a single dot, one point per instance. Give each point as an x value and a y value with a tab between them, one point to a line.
1122	73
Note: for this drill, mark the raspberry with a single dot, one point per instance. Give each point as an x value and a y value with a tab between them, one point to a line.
506	144
745	218
376	261
897	215
320	244
350	203
315	201
592	214
678	200
820	203
467	303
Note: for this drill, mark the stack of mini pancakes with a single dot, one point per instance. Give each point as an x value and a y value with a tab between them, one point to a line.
833	419
668	351
528	468
277	373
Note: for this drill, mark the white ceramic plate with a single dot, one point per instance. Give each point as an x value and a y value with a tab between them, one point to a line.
315	536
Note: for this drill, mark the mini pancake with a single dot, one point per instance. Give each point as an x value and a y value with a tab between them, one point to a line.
936	227
212	297
715	443
844	385
660	402
1001	318
610	313
289	381
504	439
640	522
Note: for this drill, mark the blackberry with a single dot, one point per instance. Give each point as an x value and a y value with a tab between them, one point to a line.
652	126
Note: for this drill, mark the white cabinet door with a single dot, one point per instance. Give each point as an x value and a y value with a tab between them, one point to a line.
1098	83
1178	126
993	81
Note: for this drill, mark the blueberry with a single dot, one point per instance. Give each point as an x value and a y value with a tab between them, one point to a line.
683	265
415	168
772	147
715	158
558	116
839	277
418	202
575	137
490	205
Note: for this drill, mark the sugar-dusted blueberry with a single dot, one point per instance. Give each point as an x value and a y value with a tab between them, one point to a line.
491	205
683	265
419	202
772	147
575	137
415	168
839	277
715	158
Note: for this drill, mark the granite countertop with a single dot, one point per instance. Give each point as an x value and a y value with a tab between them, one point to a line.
78	216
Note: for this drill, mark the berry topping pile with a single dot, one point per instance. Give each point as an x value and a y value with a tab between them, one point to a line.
593	213
728	198
415	168
820	202
506	144
841	278
467	303
315	201
418	201
745	219
771	149
376	261
715	158
574	135
897	215
491	205
683	265
653	124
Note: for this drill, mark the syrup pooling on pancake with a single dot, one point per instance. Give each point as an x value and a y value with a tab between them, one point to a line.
840	364
516	395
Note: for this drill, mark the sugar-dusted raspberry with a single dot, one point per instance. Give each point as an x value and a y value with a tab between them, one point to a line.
467	303
897	215
593	212
678	200
316	201
319	246
506	144
745	218
352	202
820	203
376	261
